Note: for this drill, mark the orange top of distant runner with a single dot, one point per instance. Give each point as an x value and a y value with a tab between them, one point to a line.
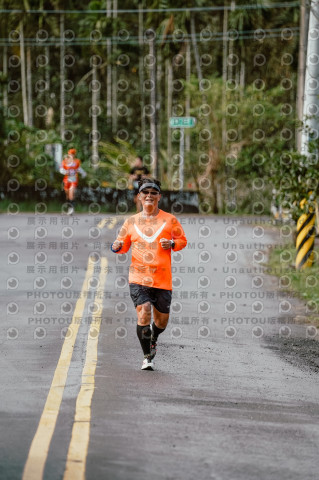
151	264
72	169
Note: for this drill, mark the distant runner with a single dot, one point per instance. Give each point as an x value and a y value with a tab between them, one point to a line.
153	234
70	167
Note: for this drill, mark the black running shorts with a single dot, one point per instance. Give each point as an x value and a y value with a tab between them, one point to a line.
160	298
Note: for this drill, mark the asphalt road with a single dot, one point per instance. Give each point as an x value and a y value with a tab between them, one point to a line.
234	395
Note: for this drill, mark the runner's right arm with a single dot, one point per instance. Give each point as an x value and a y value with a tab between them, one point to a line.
123	240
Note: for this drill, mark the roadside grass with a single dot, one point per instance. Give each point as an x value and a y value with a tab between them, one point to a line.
305	283
51	206
27	206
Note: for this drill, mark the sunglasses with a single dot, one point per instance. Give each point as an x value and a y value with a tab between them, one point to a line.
146	192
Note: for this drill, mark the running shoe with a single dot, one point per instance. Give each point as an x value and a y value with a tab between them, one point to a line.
147	363
153	348
70	210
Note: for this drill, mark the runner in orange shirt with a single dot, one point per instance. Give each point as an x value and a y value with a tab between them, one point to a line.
153	234
70	167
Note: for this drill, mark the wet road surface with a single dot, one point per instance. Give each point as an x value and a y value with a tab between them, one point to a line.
234	394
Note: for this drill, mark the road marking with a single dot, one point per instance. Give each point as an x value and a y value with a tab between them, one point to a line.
112	222
79	444
40	445
102	223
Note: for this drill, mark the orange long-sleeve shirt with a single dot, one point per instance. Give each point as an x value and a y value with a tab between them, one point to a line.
151	264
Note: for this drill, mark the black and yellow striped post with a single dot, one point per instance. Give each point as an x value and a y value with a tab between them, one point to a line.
305	238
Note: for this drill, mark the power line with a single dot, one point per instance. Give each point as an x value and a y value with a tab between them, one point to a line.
93	43
258	34
159	10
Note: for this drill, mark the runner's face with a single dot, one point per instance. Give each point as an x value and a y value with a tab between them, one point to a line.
150	197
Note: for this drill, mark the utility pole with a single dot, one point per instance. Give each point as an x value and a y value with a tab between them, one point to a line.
306	222
304	19
311	94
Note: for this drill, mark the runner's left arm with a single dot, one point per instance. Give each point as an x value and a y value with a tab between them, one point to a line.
178	236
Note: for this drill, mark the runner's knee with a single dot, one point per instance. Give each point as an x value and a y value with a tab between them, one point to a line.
144	312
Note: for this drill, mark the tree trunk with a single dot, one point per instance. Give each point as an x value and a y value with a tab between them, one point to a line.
153	117
200	78
159	73
225	26
62	79
29	87
242	77
214	194
109	70
141	69
23	77
169	76
94	113
231	69
188	103
29	76
114	99
47	76
196	54
5	72
114	81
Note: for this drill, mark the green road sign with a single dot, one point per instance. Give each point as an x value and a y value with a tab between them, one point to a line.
182	122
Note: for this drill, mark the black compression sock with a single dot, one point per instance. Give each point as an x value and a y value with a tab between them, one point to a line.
156	331
144	336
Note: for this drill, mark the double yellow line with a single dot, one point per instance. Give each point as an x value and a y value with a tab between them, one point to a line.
111	224
78	447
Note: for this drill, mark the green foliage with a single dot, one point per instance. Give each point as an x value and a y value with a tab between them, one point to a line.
304	282
295	178
23	155
255	125
251	115
115	167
